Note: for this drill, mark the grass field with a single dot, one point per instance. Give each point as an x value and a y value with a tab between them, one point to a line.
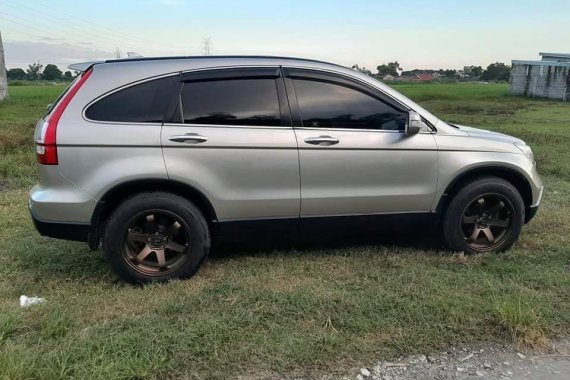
297	312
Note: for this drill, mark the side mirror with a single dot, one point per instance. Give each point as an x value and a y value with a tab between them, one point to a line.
414	123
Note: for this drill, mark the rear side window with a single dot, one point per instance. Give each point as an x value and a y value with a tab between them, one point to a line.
252	102
141	103
330	105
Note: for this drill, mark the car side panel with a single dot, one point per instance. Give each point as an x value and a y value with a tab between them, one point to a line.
459	154
245	172
367	172
96	157
56	199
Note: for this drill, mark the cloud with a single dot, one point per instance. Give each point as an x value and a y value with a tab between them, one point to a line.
51	39
21	54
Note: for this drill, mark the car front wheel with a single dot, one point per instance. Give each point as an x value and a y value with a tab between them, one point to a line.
156	236
486	215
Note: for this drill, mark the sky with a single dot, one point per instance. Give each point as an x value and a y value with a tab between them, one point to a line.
418	34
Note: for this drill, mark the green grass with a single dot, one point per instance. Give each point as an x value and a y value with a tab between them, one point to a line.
524	323
299	312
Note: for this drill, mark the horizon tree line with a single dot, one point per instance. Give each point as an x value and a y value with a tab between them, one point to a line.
37	71
495	71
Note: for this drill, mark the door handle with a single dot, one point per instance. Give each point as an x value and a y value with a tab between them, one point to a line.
189	138
322	140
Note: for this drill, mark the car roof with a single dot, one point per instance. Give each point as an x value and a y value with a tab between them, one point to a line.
83	66
119	72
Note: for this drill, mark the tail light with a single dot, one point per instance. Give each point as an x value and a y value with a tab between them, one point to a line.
46	148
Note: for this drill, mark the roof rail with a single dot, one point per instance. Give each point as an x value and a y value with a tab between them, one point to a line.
82	66
132	59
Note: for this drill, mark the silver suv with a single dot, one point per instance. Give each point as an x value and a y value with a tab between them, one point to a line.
155	156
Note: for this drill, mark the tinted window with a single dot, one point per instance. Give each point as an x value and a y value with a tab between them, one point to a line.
142	103
327	105
231	102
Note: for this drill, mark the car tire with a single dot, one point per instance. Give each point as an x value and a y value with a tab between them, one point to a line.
486	215
156	237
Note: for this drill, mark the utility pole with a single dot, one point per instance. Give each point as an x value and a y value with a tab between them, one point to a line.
3	75
207	48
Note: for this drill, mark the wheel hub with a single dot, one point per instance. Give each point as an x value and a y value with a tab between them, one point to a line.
158	240
482	221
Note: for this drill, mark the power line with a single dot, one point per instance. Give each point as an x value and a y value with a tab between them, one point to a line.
99	37
60	19
106	33
21	31
53	35
105	29
83	35
58	31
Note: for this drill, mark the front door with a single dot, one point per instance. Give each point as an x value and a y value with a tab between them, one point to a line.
355	157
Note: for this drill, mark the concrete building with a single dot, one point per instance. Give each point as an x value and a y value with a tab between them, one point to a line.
547	78
3	77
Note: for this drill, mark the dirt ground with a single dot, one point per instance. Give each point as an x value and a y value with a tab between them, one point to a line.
486	362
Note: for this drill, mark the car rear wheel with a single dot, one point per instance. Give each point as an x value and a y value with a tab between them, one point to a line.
154	237
486	215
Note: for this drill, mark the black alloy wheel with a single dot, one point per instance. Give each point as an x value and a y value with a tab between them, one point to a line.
156	242
484	215
156	237
486	221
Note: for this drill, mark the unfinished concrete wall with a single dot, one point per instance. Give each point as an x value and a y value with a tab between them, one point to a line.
546	81
3	78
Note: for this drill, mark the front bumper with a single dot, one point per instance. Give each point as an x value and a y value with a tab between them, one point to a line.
533	209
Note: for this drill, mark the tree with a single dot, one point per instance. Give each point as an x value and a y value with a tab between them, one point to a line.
497	71
34	71
392	68
476	71
51	72
450	73
473	71
3	78
16	74
68	76
363	70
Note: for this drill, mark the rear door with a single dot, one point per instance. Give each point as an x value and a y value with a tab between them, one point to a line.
355	157
230	136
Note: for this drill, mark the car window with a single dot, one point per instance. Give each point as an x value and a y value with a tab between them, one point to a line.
329	105
251	102
141	103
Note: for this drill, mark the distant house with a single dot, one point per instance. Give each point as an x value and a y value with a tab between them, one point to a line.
461	74
547	78
388	77
425	77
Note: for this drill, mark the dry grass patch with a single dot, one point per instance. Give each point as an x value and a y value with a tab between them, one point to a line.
523	322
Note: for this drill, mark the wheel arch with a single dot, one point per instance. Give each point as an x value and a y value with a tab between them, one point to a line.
120	192
514	177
